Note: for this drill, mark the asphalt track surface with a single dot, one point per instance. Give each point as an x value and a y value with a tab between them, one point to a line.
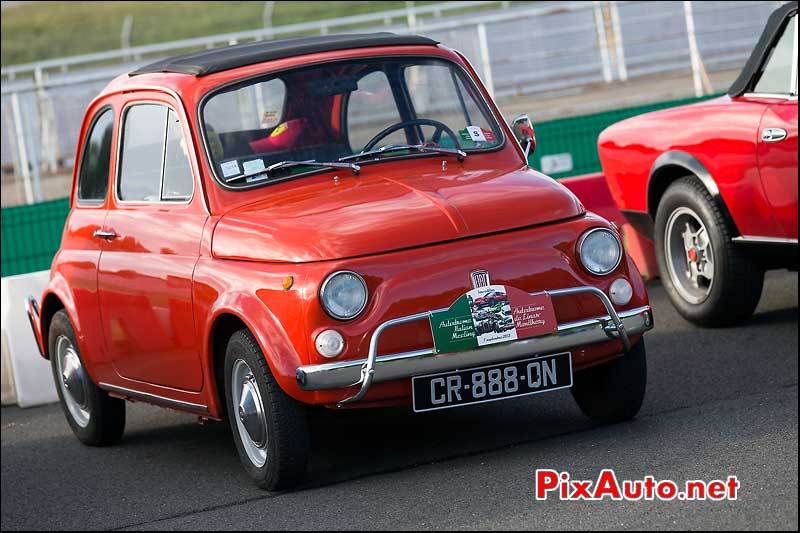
719	402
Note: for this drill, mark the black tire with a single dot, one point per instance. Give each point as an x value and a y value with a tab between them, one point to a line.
287	442
106	422
738	280
614	391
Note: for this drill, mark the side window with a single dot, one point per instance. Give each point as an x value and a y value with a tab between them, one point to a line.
142	153
96	159
371	109
777	75
155	161
178	180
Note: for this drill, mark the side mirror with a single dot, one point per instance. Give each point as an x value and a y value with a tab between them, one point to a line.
523	131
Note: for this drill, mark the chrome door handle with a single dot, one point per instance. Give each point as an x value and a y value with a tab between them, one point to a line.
771	135
104	234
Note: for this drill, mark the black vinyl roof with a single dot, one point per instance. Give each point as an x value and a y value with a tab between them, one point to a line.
206	62
775	23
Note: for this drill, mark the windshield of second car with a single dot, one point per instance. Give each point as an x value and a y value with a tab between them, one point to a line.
333	111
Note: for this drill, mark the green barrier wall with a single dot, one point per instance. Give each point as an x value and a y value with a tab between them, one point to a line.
577	136
31	234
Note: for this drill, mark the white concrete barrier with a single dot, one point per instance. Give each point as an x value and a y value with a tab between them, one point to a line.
26	376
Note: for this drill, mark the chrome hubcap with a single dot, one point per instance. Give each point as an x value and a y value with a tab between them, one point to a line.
690	256
250	419
251	412
72	382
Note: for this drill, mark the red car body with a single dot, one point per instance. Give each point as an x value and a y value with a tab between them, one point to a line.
154	305
725	143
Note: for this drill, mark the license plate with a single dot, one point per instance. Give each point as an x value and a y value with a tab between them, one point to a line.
491	383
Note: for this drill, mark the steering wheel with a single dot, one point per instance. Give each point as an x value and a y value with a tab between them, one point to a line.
437	134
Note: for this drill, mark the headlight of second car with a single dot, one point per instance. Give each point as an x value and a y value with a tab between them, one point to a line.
600	251
343	295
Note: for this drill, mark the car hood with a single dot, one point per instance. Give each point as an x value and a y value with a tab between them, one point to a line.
319	219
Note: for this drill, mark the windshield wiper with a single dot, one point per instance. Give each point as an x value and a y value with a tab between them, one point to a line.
460	154
288	164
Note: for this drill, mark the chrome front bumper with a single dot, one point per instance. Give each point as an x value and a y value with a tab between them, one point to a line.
377	368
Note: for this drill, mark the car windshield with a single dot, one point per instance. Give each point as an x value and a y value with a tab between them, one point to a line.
296	121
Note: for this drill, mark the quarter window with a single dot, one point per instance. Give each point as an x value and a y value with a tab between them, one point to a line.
155	163
178	179
93	175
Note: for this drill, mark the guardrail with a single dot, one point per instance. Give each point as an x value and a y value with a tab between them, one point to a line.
409	15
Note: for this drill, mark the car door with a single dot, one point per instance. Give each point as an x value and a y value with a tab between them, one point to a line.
777	163
80	250
154	228
777	136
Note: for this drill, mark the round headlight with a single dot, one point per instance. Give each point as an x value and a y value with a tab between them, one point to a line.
343	295
600	251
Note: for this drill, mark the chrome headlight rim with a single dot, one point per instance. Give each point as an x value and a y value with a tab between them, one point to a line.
325	284
582	241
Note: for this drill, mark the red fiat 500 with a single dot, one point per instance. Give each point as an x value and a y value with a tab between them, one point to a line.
715	183
278	224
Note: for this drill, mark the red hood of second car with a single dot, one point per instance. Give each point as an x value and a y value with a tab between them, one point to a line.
317	219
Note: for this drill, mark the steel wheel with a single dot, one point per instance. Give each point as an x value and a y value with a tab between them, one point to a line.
72	381
690	255
250	419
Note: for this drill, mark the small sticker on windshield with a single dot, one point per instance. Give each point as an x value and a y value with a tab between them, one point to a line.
269	118
248	167
476	134
229	168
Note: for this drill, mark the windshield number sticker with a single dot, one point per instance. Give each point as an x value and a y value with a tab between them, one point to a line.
476	134
229	168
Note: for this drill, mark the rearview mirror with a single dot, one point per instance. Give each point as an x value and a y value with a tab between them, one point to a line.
523	131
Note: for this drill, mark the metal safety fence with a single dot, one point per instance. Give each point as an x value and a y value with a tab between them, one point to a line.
521	50
31	234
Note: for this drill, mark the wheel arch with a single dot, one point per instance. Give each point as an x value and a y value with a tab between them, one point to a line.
239	311
57	296
222	329
51	305
674	165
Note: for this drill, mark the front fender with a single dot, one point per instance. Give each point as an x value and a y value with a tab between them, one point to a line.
275	344
253	294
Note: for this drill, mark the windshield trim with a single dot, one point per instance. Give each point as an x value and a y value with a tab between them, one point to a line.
311	172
